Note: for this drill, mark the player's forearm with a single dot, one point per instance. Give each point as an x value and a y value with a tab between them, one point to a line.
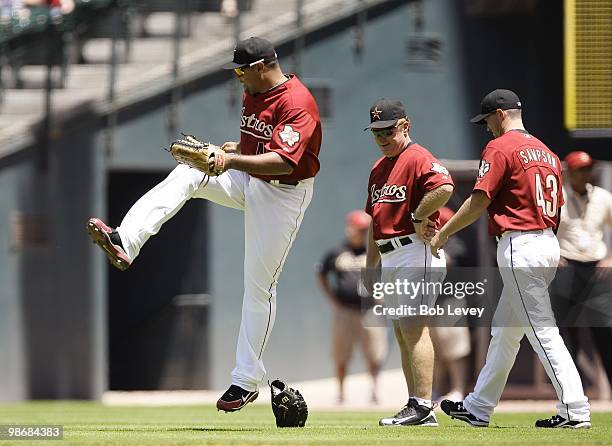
265	164
467	214
433	200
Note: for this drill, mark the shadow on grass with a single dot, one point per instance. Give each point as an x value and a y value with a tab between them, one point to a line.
489	428
217	429
177	429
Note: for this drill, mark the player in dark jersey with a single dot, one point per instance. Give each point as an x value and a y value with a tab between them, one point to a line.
519	184
407	186
270	177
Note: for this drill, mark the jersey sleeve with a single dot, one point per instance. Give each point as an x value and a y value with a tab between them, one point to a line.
432	174
492	172
368	204
292	134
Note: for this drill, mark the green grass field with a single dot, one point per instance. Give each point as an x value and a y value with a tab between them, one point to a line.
93	424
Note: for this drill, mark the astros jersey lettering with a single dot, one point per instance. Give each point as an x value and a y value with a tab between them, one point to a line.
522	177
284	120
397	186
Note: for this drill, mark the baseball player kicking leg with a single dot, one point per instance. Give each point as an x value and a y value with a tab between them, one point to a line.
269	175
262	206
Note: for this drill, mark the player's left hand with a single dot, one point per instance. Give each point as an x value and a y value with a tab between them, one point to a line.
436	243
204	156
231	147
426	229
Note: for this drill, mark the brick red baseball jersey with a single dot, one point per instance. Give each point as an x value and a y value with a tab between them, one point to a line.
284	120
397	186
522	177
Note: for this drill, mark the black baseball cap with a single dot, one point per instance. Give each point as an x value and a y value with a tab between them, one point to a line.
497	99
251	50
385	113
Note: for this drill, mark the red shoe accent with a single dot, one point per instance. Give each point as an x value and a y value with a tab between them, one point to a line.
235	405
100	234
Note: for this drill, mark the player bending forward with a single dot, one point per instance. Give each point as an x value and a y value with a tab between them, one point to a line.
519	183
269	175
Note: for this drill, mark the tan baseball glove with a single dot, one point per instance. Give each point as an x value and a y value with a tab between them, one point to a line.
200	155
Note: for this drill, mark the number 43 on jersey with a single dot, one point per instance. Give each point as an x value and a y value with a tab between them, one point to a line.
550	183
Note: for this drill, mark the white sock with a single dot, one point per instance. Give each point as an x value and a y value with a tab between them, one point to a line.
423	402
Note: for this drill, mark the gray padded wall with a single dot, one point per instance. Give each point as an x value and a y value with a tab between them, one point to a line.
52	313
13	382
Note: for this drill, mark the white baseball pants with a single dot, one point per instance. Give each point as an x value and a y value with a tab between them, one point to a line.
527	262
413	263
272	217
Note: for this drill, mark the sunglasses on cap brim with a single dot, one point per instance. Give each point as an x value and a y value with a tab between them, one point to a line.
240	70
385	133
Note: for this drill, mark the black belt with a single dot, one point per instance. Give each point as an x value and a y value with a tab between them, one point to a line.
388	247
583	264
286	183
519	232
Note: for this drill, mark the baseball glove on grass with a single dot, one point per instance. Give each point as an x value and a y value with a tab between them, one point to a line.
200	155
288	405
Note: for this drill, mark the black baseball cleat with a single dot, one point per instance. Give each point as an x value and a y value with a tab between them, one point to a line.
456	410
412	414
108	239
235	398
559	421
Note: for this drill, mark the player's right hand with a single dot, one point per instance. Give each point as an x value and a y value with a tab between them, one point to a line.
436	243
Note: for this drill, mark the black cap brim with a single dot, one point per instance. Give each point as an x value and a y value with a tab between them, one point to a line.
231	66
479	119
379	125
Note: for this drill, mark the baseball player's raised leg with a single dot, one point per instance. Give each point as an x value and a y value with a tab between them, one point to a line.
160	204
146	216
273	215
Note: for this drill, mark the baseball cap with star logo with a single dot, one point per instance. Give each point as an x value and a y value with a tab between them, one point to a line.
385	113
497	99
251	51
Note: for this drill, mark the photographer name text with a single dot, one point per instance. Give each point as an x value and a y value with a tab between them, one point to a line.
426	310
